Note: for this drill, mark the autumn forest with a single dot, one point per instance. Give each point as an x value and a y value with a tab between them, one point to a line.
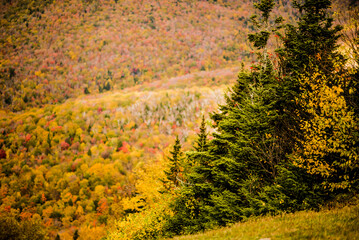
151	119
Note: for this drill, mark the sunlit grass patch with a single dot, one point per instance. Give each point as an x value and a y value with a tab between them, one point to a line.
339	223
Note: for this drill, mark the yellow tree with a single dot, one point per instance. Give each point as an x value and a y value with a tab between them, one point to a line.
150	206
326	149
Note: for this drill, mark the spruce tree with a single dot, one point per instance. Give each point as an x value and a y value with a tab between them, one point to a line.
242	157
313	42
198	158
190	203
174	175
76	235
246	142
201	144
86	91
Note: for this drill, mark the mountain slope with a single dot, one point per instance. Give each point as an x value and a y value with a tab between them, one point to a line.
51	51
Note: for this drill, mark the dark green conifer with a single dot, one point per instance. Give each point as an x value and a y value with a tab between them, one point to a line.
107	86
174	174
201	144
242	157
76	235
313	42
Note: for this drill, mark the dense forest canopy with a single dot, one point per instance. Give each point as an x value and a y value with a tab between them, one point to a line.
96	46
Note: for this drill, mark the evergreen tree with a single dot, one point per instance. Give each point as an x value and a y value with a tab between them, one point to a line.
76	235
86	91
199	156
201	144
190	202
242	157
107	86
313	42
248	146
175	173
246	149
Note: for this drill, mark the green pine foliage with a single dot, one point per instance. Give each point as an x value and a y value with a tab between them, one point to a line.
201	145
190	204
86	91
242	158
76	235
312	41
175	173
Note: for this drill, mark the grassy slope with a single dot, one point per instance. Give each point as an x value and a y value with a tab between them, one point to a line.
338	223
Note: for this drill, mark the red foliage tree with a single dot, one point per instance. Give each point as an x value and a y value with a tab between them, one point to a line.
2	154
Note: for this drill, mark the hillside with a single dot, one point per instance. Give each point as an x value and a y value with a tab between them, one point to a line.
337	223
52	51
71	164
100	98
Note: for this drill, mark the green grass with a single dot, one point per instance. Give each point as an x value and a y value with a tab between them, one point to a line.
339	223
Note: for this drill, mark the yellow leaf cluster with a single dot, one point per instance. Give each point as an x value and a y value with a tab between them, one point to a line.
325	147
